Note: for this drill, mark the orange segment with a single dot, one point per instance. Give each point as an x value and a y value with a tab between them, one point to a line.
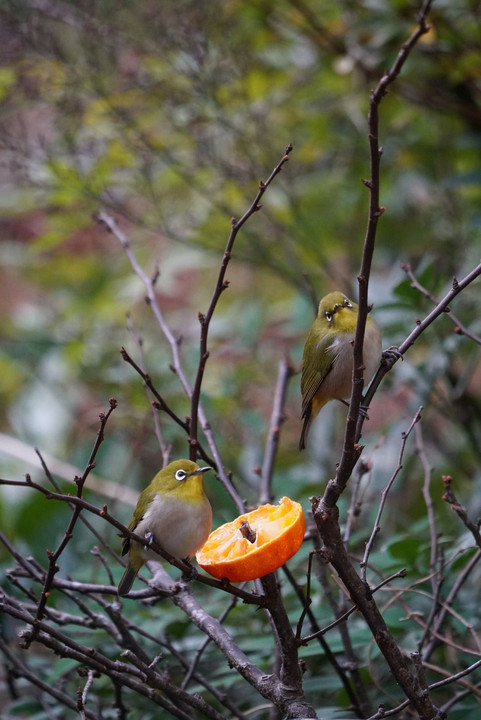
279	531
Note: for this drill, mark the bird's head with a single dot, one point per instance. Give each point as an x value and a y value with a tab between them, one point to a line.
182	478
337	312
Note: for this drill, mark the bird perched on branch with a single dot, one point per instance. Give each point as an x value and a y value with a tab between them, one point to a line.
327	364
174	511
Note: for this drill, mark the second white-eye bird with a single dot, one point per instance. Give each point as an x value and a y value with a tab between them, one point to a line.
174	511
327	363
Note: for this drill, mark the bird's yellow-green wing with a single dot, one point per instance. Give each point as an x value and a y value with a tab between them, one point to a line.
317	364
145	498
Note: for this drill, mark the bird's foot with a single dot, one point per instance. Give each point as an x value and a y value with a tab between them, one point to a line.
390	356
363	411
191	573
149	537
362	408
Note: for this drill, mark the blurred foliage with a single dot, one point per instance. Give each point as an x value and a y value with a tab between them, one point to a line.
168	118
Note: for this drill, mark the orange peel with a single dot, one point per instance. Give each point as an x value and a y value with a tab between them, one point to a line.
278	531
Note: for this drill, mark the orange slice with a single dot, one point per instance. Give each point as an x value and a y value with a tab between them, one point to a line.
276	534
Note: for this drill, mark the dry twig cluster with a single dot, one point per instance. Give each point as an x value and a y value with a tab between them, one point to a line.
83	612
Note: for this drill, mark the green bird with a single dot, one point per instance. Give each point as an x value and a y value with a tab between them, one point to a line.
327	363
174	511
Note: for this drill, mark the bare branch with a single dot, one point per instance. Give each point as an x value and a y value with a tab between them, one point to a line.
351	448
390	359
54	556
459	329
81	504
461	512
351	451
26	454
164	448
149	283
317	633
222	285
292	703
384	494
284	372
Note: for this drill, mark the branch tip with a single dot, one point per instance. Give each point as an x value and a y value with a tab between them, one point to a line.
247	532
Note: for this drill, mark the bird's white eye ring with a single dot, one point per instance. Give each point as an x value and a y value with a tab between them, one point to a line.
180	475
328	316
347	303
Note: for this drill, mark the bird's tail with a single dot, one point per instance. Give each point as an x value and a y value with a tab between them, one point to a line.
305	430
127	580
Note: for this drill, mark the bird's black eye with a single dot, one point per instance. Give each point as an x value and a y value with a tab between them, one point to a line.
328	316
347	303
180	475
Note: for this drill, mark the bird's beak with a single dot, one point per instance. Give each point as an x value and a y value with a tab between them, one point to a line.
201	470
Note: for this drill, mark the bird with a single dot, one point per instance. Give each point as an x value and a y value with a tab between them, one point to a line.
174	511
327	363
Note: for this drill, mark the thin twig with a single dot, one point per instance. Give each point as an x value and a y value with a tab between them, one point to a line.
461	512
305	600
456	676
220	286
191	670
342	618
338	609
436	561
81	504
164	448
428	501
284	372
351	449
82	694
459	329
23	671
384	494
100	539
161	404
456	698
174	343
462	577
362	469
268	685
53	557
26	454
390	359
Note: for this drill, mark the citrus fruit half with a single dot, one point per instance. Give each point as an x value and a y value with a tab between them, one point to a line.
254	544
